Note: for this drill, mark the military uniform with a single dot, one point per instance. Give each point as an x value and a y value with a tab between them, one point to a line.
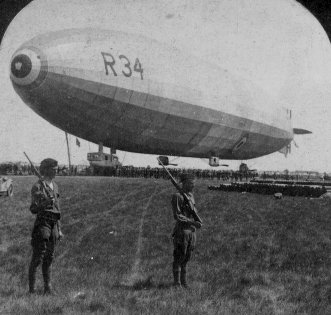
184	236
46	231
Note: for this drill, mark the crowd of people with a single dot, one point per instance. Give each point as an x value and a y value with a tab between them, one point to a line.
131	171
272	189
158	172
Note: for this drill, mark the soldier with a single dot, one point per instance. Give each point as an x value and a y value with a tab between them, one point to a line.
46	231
184	237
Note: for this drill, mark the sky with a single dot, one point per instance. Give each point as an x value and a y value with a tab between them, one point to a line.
277	44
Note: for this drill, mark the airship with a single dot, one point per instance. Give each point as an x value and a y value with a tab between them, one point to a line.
137	93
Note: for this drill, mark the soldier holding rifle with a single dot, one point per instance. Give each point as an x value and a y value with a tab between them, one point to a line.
46	231
187	221
184	237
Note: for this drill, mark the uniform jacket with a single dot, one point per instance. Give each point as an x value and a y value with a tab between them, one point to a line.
181	212
38	197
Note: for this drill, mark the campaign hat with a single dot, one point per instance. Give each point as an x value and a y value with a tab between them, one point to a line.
185	177
48	164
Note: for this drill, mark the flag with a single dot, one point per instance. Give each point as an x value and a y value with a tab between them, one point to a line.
77	142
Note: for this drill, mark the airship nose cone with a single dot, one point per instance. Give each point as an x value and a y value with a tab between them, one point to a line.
21	66
28	68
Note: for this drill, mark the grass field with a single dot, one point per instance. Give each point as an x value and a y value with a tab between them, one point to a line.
255	254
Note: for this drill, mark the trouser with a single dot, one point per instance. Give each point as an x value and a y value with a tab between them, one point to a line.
44	238
184	244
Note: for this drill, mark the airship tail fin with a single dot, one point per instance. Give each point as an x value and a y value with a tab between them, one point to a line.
299	131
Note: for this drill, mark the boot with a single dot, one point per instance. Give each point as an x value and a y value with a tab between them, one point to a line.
32	278
47	288
176	278
47	278
183	278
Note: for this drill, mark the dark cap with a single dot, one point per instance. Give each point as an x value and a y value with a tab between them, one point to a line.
48	163
185	177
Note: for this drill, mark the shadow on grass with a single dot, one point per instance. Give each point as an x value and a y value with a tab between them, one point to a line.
143	284
7	292
96	306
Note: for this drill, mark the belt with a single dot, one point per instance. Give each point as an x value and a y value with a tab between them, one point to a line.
49	216
185	226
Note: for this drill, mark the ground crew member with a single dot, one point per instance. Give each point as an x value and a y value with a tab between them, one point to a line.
184	238
46	231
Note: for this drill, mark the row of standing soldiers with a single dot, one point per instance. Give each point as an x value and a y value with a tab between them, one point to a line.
47	232
156	172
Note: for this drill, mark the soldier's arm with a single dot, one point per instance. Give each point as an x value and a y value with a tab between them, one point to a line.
192	207
56	204
61	235
59	225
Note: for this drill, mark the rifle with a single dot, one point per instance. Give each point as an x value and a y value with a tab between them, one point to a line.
186	198
35	171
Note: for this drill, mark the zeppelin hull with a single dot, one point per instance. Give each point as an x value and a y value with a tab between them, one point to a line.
135	108
125	119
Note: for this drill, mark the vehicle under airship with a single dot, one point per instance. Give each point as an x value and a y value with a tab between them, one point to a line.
136	93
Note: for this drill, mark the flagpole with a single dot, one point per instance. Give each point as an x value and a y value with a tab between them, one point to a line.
68	149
